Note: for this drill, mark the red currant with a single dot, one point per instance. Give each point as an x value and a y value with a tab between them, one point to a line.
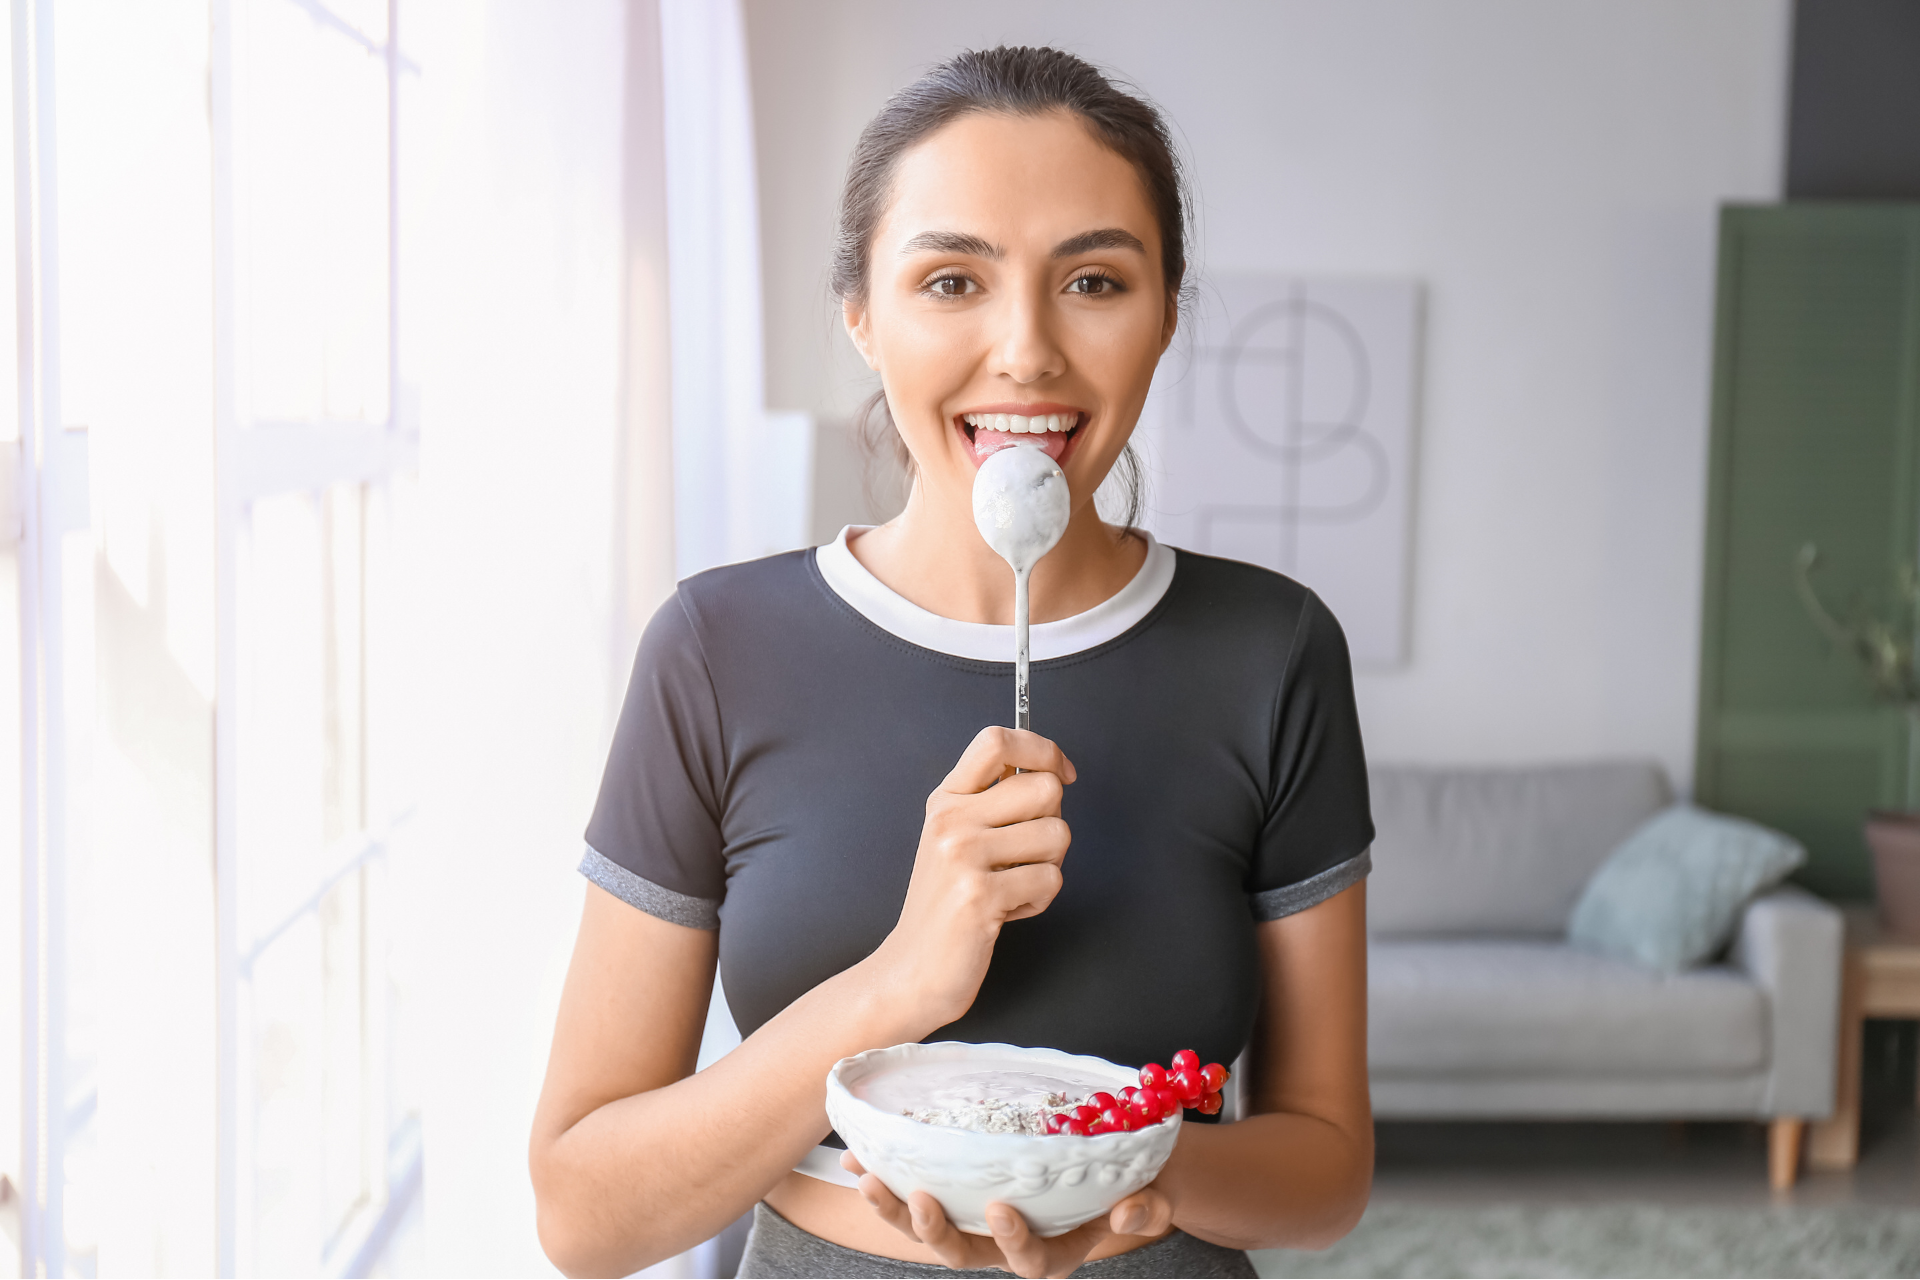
1115	1117
1187	1083
1056	1123
1144	1107
1169	1101
1086	1114
1128	1094
1153	1076
1215	1075
1097	1127
1186	1060
1075	1128
1210	1105
1101	1101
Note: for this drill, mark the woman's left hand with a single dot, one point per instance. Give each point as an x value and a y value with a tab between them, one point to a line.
1146	1213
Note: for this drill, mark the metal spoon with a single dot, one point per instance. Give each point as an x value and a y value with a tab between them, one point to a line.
1021	505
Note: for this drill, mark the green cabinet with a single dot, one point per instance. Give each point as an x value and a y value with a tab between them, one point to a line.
1815	439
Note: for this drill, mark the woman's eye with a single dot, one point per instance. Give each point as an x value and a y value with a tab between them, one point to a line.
1094	284
949	286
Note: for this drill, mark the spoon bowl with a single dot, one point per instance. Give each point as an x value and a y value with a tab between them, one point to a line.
1021	506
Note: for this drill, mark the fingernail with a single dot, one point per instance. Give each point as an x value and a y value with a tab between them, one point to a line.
1133	1221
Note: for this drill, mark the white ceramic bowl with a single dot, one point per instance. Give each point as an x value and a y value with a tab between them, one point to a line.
1056	1182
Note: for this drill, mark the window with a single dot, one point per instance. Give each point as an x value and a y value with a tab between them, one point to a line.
211	565
312	797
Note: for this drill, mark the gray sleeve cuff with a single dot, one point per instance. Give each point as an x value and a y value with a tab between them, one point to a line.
662	904
1311	892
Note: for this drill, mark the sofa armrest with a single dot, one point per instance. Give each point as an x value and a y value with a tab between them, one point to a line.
1792	944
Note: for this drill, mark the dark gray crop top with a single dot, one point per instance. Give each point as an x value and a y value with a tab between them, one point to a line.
770	771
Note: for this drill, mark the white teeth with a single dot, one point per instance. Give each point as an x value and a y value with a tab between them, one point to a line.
1016	424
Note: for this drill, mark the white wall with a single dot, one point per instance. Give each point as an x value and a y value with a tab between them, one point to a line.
1550	170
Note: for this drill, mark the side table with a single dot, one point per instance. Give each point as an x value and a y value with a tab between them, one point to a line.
1880	978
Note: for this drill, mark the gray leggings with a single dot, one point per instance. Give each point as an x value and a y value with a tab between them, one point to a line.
778	1248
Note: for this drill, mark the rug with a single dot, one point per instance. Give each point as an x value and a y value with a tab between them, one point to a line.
1615	1240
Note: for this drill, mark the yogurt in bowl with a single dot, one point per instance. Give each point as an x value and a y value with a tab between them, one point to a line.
958	1121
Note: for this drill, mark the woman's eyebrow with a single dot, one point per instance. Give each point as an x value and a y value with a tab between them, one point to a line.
951	242
1093	241
974	246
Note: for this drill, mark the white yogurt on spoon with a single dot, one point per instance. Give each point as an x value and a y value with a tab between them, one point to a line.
1021	506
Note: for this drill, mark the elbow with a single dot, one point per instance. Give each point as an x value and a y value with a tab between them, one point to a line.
1320	1215
1332	1228
576	1240
1341	1212
559	1231
561	1243
588	1224
575	1247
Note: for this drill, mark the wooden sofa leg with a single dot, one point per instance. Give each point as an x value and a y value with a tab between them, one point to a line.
1783	1151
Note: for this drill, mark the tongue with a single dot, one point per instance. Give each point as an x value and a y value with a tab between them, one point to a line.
985	443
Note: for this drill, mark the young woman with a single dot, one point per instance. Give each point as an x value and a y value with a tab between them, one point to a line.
808	785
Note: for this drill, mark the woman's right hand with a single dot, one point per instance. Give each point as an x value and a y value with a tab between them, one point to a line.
990	852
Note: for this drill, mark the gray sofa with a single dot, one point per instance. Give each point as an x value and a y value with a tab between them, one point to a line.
1479	1008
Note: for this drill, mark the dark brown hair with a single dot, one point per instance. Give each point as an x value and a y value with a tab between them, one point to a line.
1019	81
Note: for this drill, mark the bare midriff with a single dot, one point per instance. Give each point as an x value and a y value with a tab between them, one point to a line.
839	1214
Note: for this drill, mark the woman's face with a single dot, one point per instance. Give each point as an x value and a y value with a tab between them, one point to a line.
1014	294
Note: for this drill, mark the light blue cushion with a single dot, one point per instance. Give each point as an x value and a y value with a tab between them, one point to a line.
1669	896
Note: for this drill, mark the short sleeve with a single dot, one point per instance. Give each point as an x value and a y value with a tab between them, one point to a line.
1319	828
654	840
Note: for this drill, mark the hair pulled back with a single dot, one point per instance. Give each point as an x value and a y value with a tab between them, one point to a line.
1018	81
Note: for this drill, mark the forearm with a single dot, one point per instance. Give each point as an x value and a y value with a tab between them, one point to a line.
635	1156
644	1177
1278	1180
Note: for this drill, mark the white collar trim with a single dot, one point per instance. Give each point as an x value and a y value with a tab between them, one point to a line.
985	641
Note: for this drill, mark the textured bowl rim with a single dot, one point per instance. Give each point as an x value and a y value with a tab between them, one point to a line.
837	1084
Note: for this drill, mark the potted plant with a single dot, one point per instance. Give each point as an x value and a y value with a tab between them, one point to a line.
1884	647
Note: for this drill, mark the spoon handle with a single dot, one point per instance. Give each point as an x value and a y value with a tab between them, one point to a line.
1022	712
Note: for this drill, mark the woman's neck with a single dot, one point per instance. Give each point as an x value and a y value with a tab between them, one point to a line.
932	554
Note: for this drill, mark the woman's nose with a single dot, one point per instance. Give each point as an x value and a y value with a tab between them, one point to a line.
1027	350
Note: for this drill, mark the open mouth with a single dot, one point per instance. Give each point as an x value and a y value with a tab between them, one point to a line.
1051	428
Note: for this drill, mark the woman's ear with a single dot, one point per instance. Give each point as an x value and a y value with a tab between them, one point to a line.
854	315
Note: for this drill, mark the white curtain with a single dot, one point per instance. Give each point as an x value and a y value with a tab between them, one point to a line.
740	476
